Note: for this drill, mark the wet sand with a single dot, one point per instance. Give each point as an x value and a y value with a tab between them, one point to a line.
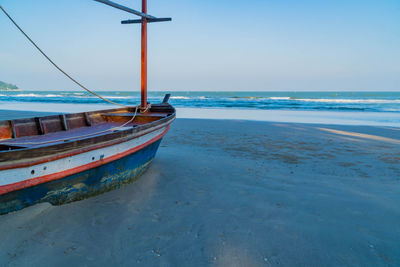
232	193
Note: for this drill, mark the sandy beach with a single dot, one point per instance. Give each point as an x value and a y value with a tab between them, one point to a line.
231	193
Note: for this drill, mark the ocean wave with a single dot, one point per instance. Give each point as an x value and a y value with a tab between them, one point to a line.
350	101
36	95
191	98
391	109
65	96
180	97
320	100
248	97
119	97
53	95
280	98
260	98
27	95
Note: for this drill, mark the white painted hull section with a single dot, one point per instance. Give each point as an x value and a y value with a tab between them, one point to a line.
12	176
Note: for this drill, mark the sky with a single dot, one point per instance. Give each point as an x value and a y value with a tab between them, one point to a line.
211	45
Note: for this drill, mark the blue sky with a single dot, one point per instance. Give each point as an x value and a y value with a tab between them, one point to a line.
252	45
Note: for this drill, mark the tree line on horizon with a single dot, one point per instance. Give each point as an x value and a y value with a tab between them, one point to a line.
8	86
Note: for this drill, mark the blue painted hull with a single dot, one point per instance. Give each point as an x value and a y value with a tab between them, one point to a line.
84	184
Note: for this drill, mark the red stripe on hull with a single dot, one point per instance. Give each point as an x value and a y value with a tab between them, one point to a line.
56	176
68	154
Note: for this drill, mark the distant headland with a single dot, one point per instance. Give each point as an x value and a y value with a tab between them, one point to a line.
8	87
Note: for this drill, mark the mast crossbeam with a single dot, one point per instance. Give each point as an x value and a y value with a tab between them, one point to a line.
132	21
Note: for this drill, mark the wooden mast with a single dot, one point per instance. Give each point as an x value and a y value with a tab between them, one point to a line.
145	18
143	87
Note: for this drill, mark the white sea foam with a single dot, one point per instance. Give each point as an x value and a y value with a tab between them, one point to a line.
391	109
349	101
65	96
118	97
180	97
37	95
259	98
50	95
249	98
326	100
279	98
27	95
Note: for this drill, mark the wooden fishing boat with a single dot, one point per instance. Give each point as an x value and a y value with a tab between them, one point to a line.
68	157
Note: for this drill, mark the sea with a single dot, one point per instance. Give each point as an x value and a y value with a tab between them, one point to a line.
357	108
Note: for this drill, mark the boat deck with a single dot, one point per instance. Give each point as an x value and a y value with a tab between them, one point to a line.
59	137
110	122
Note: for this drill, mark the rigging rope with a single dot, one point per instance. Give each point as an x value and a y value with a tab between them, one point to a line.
54	64
76	82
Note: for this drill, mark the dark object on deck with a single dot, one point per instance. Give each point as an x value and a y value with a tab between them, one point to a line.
166	98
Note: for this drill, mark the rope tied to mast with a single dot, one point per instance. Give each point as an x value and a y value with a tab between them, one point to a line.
54	64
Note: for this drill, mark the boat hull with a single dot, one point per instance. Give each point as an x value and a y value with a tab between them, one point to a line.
60	159
78	186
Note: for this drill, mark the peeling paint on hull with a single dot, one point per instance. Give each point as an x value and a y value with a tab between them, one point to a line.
82	185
